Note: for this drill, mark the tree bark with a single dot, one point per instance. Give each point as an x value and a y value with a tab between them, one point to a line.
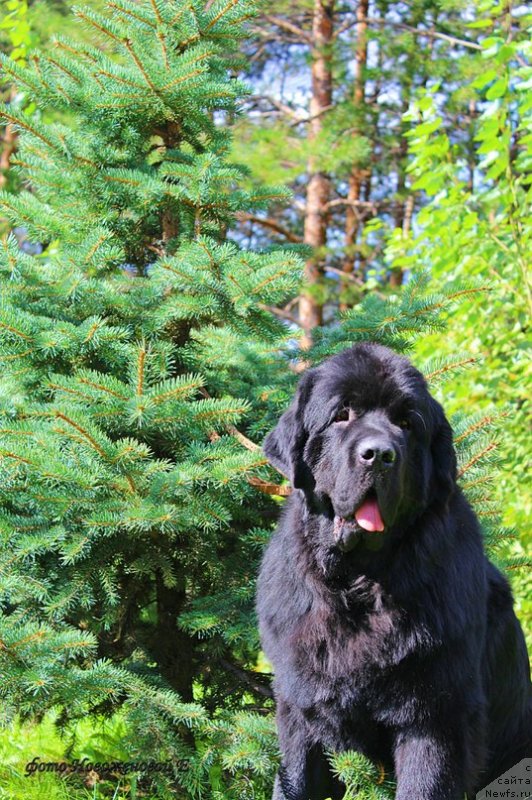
400	216
8	145
173	648
405	201
318	189
358	175
170	221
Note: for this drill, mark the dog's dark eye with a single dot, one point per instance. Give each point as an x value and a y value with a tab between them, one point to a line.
343	415
405	424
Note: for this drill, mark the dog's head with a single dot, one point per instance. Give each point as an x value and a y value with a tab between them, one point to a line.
366	443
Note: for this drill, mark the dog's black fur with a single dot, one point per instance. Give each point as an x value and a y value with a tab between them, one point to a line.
402	645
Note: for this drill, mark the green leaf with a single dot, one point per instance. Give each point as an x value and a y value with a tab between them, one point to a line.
498	89
484	78
480	23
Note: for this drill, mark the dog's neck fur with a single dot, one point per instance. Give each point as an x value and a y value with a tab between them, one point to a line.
402	545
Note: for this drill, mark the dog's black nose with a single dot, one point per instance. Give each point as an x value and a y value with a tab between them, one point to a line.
376	453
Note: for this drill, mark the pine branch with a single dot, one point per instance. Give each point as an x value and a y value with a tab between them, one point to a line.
250	679
247	443
449	367
272	224
270	488
290	27
423	33
479	425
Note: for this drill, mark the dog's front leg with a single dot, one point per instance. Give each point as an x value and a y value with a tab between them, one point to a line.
305	773
429	766
278	793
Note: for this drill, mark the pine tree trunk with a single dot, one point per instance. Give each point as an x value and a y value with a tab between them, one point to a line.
315	227
358	175
400	219
170	222
8	145
172	647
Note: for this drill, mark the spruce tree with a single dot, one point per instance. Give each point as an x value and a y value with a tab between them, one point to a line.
130	349
140	365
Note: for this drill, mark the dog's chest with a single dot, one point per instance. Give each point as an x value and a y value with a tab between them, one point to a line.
342	646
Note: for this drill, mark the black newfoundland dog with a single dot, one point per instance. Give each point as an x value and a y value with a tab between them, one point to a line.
389	630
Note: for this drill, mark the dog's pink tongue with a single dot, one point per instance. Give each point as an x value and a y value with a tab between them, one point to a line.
369	517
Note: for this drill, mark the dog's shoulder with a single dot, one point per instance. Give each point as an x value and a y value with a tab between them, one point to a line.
283	595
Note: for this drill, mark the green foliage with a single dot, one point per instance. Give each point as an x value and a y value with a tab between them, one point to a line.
397	320
15	23
16	38
418	44
364	780
340	146
478	224
125	510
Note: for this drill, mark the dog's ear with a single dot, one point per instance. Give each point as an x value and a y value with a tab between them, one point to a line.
284	446
443	454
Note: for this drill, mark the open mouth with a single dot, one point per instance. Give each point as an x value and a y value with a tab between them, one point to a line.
365	524
367	516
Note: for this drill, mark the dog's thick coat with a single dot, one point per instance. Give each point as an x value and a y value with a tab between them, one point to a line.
389	631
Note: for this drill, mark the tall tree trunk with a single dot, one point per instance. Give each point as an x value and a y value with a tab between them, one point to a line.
170	222
8	145
403	204
315	227
358	175
172	647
